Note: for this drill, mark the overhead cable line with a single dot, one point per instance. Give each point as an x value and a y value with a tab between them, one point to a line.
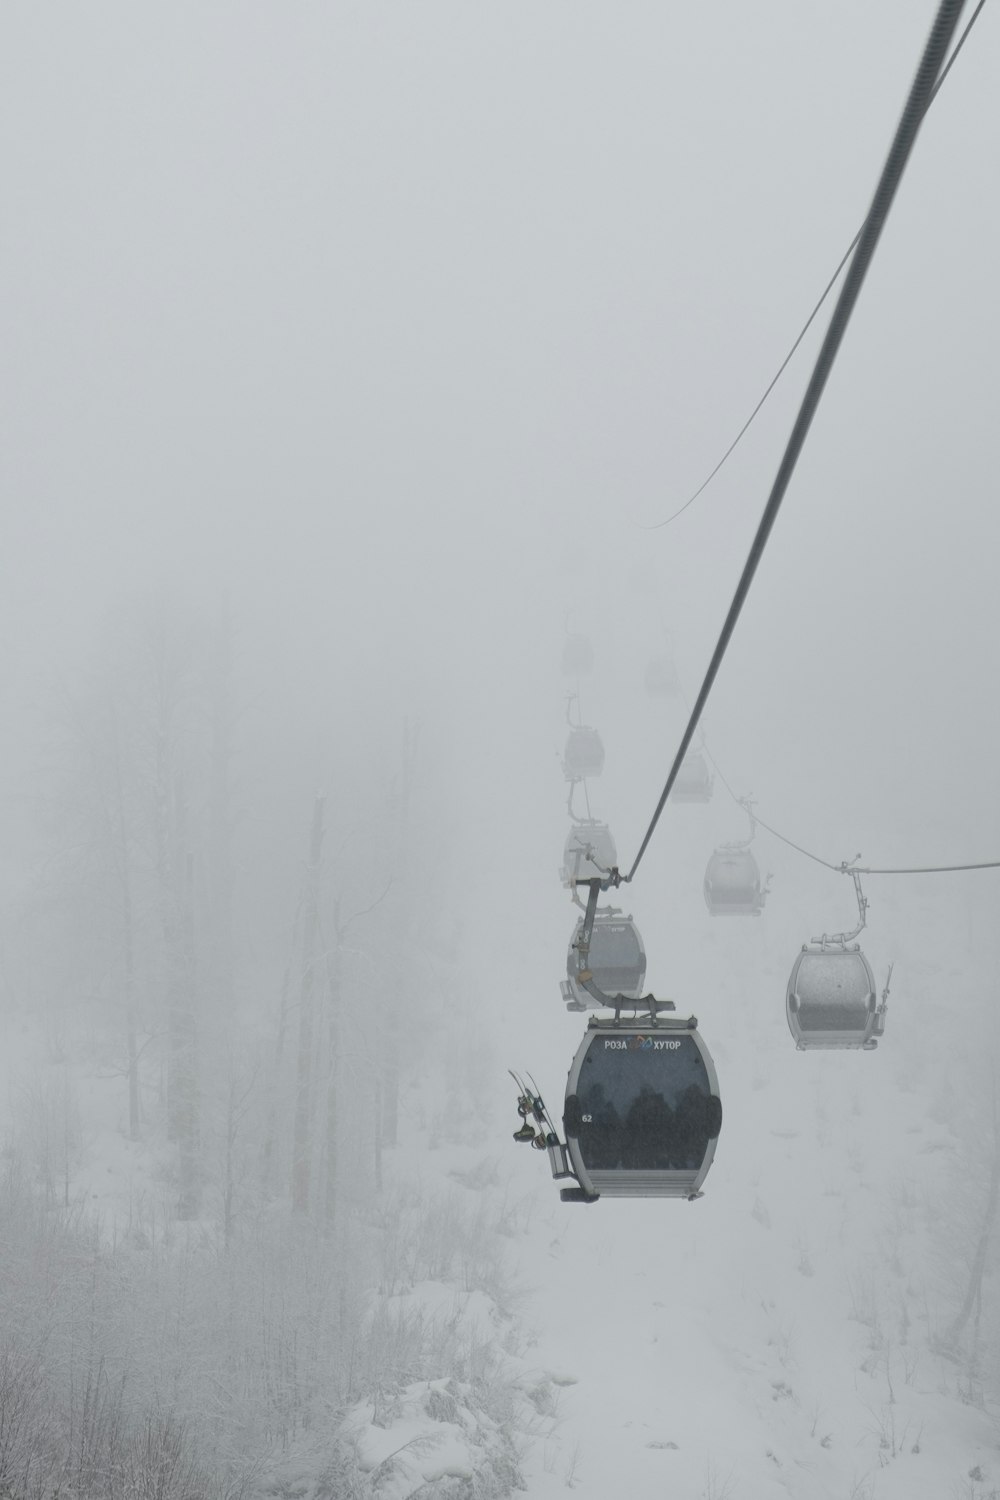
986	864
906	134
849	867
845	867
658	525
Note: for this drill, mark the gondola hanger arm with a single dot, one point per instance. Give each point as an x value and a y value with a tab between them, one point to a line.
841	939
584	976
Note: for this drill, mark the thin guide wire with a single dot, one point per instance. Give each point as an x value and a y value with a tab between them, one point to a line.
658	525
942	31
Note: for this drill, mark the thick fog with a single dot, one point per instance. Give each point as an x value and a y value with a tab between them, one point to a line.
353	355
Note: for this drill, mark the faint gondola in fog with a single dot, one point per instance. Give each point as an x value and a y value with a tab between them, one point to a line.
695	782
577	656
584	753
661	677
732	883
590	851
831	1000
616	963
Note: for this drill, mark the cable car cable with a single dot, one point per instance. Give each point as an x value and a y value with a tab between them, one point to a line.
842	868
847	869
988	864
658	525
793	845
914	110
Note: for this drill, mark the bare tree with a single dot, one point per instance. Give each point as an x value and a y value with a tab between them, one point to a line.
175	880
388	1127
302	1138
973	1298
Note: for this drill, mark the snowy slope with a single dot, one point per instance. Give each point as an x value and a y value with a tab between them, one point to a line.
776	1338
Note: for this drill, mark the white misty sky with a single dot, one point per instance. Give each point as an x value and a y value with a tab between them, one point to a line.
394	323
393	320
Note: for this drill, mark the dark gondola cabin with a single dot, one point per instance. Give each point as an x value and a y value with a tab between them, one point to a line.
831	1001
643	1112
617	962
584	754
695	782
661	677
578	656
732	884
590	851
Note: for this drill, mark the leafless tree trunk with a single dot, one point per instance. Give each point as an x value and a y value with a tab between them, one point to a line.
974	1286
333	1071
175	872
302	1136
268	1173
120	841
389	1083
184	1035
239	1095
222	876
131	1042
114	820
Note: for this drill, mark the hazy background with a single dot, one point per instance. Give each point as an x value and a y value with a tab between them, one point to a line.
390	329
391	322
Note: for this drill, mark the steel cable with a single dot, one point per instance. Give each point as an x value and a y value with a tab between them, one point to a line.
658	525
914	110
843	868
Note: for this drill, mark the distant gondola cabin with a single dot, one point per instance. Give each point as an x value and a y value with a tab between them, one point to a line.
732	884
830	1001
661	677
617	962
577	656
584	754
695	782
590	851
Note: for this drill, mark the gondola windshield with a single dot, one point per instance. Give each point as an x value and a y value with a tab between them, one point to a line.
733	875
615	945
584	752
643	1103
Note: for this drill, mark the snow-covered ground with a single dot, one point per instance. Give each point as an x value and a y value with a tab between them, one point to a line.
787	1335
782	1337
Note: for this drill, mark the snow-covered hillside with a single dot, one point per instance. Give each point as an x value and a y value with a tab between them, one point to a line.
797	1332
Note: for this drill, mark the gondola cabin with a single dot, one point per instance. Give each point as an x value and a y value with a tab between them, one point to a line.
590	851
831	999
617	962
732	884
584	754
643	1113
577	656
695	783
661	677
